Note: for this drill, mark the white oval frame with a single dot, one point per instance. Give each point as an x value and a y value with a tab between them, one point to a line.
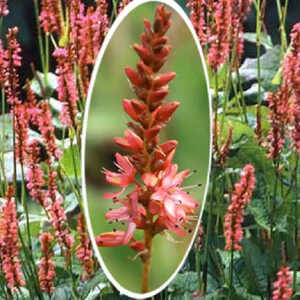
131	6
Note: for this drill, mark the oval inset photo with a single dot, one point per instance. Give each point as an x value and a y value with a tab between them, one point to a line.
147	145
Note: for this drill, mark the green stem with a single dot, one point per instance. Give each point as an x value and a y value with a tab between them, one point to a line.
208	233
282	18
40	41
231	274
3	138
47	63
75	165
296	239
24	203
258	46
242	96
198	268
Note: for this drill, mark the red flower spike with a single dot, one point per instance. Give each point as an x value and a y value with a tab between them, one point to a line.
9	242
158	202
84	250
163	113
48	132
3	8
291	75
282	286
134	108
34	175
144	53
13	63
241	197
134	77
130	142
46	271
164	79
21	127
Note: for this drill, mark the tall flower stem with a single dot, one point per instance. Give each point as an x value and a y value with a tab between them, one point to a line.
231	273
3	137
282	11
40	41
208	232
147	262
24	204
297	246
258	45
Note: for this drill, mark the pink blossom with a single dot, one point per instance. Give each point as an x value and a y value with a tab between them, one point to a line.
13	63
282	289
291	75
3	64
34	175
46	271
3	8
84	250
59	223
280	116
47	131
67	90
122	5
241	197
122	179
21	127
50	16
9	243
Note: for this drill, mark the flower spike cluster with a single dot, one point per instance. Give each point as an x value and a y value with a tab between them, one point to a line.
280	115
241	197
9	243
47	267
219	26
3	8
51	16
291	75
282	289
157	202
84	249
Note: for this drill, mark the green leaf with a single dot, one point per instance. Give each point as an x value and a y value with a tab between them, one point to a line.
265	39
70	161
260	213
49	85
62	292
70	203
270	62
249	151
35	223
184	285
254	268
96	284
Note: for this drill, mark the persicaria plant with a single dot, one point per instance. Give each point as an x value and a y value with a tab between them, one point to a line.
158	201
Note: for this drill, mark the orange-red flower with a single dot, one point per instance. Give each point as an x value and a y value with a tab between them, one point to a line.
122	179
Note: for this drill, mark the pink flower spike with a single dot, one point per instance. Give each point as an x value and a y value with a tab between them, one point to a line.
9	242
46	267
130	142
282	288
3	8
233	231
